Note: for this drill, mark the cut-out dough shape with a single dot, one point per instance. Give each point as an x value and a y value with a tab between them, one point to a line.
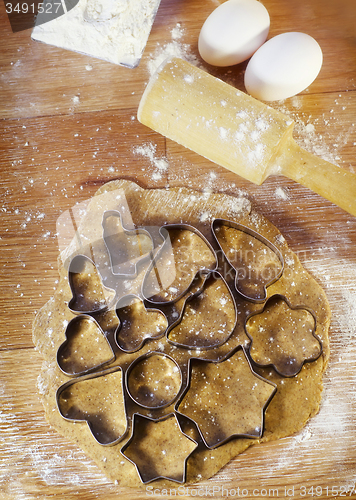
257	262
85	349
153	380
89	295
208	319
159	449
126	247
184	253
97	400
243	398
283	336
137	324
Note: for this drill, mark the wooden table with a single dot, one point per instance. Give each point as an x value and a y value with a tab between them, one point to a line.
68	126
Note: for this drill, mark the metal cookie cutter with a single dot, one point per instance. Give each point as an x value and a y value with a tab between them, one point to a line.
104	412
214	336
128	250
235	383
153	380
163	274
159	449
125	337
71	358
275	348
245	272
80	268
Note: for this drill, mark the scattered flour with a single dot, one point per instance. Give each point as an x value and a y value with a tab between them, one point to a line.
172	49
177	32
306	135
160	164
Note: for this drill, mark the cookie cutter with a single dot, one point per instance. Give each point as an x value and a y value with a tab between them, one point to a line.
70	332
239	227
126	302
90	420
213	276
145	392
202	272
75	268
293	308
129	267
147	467
259	432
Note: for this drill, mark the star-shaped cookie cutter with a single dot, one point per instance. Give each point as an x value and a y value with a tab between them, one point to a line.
159	458
209	413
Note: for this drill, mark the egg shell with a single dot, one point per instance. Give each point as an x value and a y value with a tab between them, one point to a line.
284	66
233	32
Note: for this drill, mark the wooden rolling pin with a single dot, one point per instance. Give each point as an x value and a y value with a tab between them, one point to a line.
236	131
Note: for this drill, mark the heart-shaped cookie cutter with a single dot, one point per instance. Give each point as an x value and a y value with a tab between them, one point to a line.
70	332
92	420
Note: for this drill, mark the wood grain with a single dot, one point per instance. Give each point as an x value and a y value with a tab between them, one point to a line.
65	131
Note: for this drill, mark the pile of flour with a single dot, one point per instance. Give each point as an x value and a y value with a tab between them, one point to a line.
113	30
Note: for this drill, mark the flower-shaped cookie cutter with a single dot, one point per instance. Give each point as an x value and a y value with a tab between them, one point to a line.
287	365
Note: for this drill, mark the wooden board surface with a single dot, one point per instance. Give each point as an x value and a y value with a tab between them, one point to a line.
68	126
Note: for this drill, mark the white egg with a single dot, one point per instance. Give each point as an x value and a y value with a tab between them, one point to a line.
233	32
283	66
